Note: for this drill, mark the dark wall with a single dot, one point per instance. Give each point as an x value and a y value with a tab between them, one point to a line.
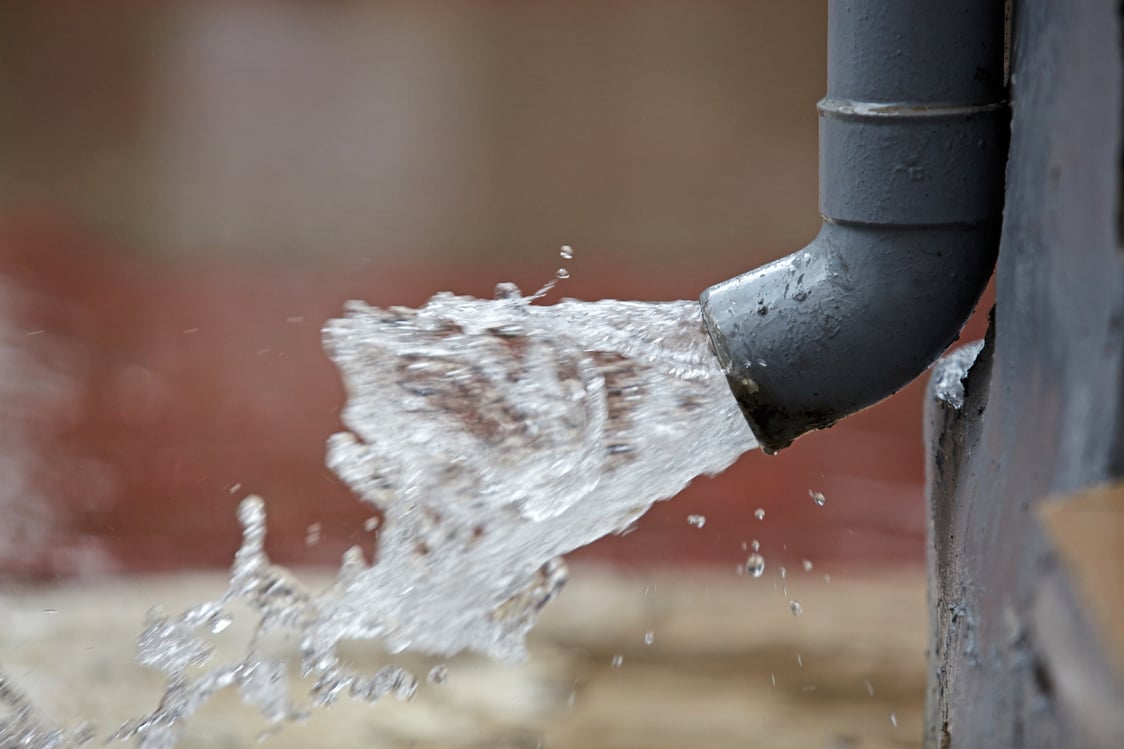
1015	656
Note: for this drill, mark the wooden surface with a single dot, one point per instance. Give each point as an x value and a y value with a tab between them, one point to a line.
1087	530
719	640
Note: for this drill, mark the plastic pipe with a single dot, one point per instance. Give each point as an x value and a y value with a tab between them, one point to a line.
913	142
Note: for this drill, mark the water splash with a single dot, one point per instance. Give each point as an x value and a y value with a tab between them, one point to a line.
493	436
22	726
496	436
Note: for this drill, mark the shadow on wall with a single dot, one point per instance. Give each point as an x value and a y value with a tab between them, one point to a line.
188	204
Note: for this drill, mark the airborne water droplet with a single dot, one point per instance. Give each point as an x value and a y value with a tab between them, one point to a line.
405	686
649	637
795	608
567	252
562	273
696	520
312	534
438	675
220	622
817	497
617	660
807	565
755	565
759	513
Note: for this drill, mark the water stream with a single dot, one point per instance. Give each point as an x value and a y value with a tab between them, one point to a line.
498	435
494	436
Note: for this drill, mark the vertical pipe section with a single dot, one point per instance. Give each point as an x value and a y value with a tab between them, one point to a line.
913	142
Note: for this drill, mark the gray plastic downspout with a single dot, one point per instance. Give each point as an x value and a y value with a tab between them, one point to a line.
913	142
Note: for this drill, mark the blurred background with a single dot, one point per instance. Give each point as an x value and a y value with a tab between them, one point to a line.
190	189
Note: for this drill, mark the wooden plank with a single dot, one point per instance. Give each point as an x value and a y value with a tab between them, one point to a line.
1087	530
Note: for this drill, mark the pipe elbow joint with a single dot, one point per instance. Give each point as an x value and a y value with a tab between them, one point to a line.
913	144
844	322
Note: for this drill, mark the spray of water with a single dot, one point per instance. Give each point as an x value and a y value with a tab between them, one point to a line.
497	435
494	436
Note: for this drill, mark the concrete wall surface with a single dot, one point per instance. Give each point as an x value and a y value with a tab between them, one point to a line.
1019	655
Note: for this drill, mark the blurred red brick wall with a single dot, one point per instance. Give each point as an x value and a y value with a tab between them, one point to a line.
193	188
199	377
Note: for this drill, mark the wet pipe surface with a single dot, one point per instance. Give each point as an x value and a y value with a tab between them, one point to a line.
173	389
